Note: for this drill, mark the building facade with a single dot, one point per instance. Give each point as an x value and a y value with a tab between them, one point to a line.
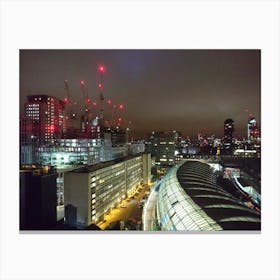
94	190
42	124
46	115
161	145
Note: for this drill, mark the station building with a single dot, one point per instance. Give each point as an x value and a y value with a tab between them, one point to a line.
92	191
189	199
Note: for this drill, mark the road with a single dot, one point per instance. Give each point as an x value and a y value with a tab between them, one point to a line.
131	210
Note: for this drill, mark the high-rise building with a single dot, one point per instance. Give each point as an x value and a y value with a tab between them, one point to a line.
228	133
253	131
161	145
42	124
45	118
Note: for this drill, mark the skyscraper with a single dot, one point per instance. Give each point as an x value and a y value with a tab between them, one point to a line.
228	133
252	130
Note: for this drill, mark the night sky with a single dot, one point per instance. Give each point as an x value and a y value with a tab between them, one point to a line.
162	90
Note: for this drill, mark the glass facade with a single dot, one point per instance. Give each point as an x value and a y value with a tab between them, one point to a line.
190	199
78	152
177	211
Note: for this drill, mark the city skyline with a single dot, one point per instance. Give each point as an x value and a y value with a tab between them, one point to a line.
186	90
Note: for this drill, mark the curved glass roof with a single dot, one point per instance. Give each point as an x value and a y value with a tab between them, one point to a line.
189	199
177	211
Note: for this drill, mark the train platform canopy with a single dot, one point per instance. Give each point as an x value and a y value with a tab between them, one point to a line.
190	199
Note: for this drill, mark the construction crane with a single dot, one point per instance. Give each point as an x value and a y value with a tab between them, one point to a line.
86	117
69	103
85	96
101	71
120	115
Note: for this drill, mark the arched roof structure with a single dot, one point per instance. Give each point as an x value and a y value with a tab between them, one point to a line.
190	199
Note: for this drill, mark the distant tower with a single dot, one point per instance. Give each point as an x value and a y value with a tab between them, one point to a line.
228	133
253	132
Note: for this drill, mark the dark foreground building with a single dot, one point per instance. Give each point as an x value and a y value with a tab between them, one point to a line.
37	198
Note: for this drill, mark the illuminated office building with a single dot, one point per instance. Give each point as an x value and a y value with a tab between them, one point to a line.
94	190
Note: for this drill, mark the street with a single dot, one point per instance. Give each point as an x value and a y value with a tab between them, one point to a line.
127	210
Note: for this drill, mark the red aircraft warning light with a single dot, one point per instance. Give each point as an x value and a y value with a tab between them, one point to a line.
99	85
65	99
94	104
109	102
101	68
121	106
82	82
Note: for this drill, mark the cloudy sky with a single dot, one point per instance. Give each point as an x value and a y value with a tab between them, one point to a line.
162	90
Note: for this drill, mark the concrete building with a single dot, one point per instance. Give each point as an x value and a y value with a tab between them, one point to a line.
94	190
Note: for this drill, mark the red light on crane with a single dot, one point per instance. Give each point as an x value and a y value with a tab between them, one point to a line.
101	68
82	82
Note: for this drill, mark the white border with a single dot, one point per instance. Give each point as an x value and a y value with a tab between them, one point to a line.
154	24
